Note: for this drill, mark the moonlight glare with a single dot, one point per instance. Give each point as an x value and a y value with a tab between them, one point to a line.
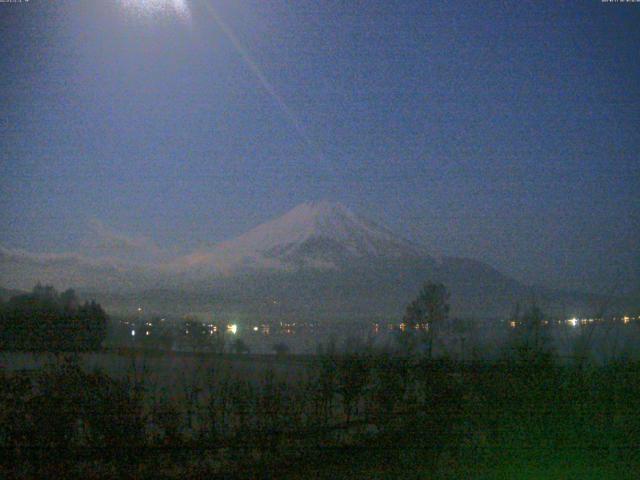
148	8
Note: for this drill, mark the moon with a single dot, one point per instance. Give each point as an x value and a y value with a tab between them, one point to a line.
148	8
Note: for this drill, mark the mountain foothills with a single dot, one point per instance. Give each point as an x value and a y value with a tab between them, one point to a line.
320	261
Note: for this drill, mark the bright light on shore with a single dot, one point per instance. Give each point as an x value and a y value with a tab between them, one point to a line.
232	328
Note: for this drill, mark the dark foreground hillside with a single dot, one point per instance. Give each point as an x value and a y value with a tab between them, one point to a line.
356	415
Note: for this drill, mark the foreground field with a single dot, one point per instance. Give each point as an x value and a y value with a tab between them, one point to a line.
359	415
168	371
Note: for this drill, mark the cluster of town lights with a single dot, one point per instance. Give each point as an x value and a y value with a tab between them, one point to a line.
288	328
210	328
574	322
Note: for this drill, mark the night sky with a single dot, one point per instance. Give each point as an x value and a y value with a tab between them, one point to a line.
504	131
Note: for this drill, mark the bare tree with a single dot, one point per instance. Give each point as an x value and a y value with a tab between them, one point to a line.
425	315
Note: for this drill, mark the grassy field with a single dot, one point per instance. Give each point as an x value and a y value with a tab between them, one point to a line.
358	415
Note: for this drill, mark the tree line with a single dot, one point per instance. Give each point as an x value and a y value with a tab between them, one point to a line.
404	410
45	320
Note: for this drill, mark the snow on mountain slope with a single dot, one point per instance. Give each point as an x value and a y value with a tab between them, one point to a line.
322	235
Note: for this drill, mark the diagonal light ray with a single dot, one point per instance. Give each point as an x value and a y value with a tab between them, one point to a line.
262	78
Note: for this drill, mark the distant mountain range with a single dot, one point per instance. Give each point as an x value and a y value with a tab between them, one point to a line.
318	261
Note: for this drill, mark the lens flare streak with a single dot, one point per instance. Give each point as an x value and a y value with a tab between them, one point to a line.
263	80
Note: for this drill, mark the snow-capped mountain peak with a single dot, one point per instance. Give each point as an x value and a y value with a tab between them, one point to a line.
318	234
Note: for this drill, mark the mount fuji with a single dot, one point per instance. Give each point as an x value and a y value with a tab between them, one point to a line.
319	235
317	261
